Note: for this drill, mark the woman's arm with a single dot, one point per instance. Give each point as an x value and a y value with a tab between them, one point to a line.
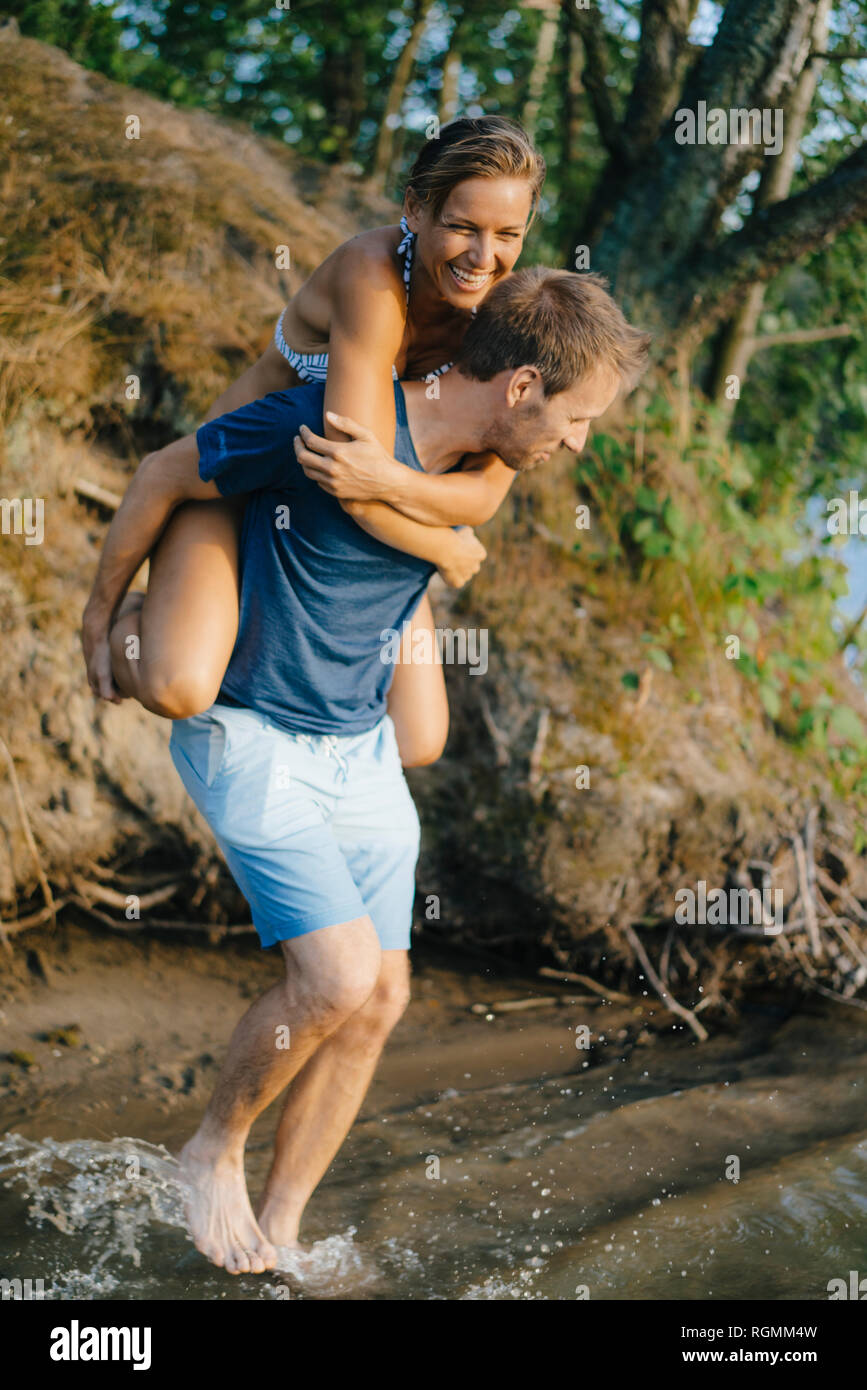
365	337
358	468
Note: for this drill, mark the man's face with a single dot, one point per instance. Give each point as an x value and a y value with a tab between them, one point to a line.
529	427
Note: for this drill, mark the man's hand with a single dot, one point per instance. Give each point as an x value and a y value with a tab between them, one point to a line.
97	658
466	560
358	468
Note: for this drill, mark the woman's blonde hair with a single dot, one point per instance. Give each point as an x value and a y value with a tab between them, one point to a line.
482	147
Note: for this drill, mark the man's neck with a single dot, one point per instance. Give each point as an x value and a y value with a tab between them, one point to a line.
445	428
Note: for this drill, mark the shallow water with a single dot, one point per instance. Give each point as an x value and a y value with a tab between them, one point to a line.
612	1183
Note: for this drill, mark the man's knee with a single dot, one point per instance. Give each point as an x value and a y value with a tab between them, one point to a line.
387	1002
335	976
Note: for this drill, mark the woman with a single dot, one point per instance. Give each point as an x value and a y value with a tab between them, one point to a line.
392	302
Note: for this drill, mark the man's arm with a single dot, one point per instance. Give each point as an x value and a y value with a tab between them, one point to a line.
162	482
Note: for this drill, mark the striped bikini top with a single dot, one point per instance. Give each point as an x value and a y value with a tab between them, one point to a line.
313	366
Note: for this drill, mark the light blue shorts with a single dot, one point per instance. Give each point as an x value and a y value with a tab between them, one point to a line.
316	830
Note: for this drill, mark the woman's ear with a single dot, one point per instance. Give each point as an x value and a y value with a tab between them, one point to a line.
412	210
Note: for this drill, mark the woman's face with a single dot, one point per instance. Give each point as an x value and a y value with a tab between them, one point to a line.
474	240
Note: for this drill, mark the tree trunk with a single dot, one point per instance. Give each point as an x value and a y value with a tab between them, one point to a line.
450	96
737	340
670	196
403	68
542	60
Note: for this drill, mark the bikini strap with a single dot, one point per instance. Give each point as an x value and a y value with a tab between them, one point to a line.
405	249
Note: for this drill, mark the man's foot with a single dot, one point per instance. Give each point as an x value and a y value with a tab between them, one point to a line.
219	1215
280	1223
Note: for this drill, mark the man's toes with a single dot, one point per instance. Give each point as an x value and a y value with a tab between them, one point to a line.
257	1264
267	1254
238	1261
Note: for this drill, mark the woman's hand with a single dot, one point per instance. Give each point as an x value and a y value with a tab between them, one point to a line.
358	468
97	658
465	560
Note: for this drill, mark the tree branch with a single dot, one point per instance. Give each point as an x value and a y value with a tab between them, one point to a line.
593	36
801	335
662	57
773	237
840	55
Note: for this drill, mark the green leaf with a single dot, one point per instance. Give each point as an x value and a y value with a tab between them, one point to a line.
643	528
657	545
845	722
674	519
630	680
659	658
647	499
770	699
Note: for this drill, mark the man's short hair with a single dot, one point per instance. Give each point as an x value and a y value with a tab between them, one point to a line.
562	323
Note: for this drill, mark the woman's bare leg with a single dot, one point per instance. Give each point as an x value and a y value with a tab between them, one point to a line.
417	700
170	648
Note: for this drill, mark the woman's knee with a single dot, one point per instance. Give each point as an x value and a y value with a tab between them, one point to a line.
181	693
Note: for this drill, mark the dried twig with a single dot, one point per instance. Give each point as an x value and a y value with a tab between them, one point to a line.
806	895
571	977
94	493
35	919
499	739
28	833
668	999
98	892
840	890
535	774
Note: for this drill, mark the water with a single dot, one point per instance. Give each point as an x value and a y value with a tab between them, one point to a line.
613	1182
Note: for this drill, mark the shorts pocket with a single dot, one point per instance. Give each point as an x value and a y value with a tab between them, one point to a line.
203	739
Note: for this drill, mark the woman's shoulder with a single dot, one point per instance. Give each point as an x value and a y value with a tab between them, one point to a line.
372	255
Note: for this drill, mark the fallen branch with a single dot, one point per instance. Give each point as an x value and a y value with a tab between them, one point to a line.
513	1006
94	493
97	892
572	978
668	999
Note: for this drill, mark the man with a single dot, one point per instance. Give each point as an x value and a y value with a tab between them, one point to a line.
296	766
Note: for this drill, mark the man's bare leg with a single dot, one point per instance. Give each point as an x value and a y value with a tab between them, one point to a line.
324	1100
330	974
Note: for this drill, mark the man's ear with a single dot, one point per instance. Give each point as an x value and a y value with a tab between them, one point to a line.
523	386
